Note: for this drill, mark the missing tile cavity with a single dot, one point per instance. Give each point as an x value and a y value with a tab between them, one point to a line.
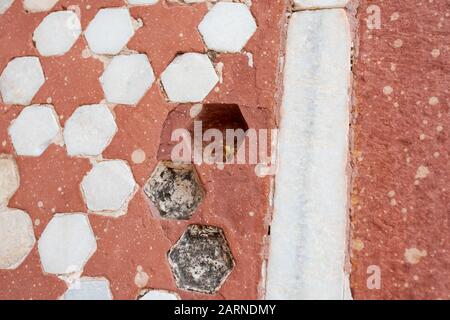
175	190
201	260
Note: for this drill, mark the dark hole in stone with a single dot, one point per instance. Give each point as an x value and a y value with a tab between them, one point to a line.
175	190
201	260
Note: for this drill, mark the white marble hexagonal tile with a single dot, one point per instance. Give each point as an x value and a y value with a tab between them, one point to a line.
142	2
319	4
4	5
189	78
108	188
34	130
9	178
57	33
227	27
20	80
89	130
109	31
127	78
159	295
38	5
66	244
89	289
16	237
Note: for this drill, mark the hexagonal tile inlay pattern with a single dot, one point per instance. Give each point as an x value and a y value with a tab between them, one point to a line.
89	289
108	188
201	260
89	130
16	237
66	244
9	178
57	33
34	130
227	27
4	5
190	77
127	78
109	31
38	5
21	80
175	190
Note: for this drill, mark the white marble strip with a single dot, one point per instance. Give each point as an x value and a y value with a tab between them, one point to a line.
319	4
308	233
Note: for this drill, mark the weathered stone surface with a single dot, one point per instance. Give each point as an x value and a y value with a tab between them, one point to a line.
16	237
175	190
9	178
201	260
89	289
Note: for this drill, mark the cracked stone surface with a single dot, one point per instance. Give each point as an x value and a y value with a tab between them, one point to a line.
227	27
159	295
9	178
109	31
57	33
38	5
175	190
108	187
66	244
89	289
89	130
201	260
127	78
21	80
34	130
16	237
189	78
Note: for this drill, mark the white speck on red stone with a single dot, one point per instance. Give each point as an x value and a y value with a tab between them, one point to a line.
57	33
66	244
34	130
4	5
109	31
38	5
127	78
16	237
89	289
159	295
21	80
9	178
189	78
227	27
108	187
89	130
142	2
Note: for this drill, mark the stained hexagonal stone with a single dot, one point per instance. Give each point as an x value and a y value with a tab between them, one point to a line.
201	260
227	27
127	78
57	33
89	130
66	244
175	190
34	130
9	178
16	237
21	80
190	77
159	295
89	289
4	5
108	188
38	5
109	31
